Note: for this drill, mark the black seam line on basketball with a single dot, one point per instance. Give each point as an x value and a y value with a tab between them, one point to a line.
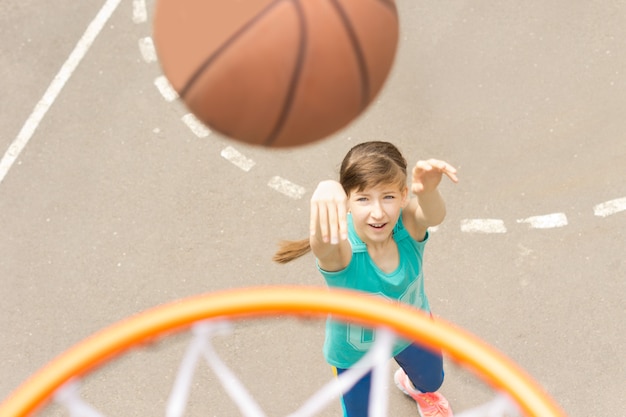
360	57
295	77
207	62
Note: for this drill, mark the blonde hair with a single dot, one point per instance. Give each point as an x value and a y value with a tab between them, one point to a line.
365	165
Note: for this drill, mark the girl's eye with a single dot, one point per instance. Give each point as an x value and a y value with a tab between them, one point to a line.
390	197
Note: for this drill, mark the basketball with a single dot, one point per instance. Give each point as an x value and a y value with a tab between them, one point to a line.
276	73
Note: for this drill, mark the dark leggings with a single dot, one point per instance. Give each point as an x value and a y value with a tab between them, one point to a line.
424	368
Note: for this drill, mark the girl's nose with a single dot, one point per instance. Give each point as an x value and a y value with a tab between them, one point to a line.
377	211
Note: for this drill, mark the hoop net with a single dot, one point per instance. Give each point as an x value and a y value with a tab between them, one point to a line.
211	314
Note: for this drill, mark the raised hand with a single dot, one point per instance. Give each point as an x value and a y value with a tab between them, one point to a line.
427	175
329	207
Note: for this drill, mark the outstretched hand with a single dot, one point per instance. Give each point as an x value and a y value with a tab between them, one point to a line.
427	175
329	211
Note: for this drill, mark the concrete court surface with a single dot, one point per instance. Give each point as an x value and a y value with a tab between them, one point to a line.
116	205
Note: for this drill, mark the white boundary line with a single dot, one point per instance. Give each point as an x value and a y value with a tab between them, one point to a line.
237	158
483	226
196	126
146	47
140	14
64	74
608	208
165	88
547	221
286	187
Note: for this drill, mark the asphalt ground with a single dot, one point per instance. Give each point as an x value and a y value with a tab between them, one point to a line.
112	201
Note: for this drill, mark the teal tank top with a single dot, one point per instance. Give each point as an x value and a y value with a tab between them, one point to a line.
346	343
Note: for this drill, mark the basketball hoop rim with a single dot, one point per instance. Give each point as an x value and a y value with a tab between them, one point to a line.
494	367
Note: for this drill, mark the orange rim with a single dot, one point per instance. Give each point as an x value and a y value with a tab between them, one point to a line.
485	361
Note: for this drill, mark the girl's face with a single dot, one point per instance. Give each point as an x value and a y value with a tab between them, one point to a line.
375	211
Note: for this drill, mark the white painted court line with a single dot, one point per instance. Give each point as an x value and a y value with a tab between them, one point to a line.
140	14
165	88
483	226
196	126
146	47
286	187
66	71
609	208
237	158
547	221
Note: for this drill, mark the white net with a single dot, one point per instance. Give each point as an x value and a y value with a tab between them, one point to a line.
201	348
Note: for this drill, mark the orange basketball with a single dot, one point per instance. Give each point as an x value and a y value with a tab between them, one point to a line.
276	72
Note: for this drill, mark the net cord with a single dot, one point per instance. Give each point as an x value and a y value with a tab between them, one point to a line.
494	368
68	396
376	361
201	346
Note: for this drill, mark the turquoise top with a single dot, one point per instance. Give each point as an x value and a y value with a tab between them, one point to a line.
346	343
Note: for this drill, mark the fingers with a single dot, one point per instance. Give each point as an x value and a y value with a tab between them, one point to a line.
342	213
329	213
427	174
447	169
417	187
330	220
435	166
314	216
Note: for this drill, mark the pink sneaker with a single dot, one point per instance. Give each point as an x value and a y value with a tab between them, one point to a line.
429	404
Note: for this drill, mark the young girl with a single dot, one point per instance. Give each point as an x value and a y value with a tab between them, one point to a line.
369	235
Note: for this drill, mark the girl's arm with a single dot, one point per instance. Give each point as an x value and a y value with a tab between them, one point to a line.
328	226
429	208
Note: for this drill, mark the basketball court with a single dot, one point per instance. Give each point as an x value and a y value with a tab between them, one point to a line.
113	200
